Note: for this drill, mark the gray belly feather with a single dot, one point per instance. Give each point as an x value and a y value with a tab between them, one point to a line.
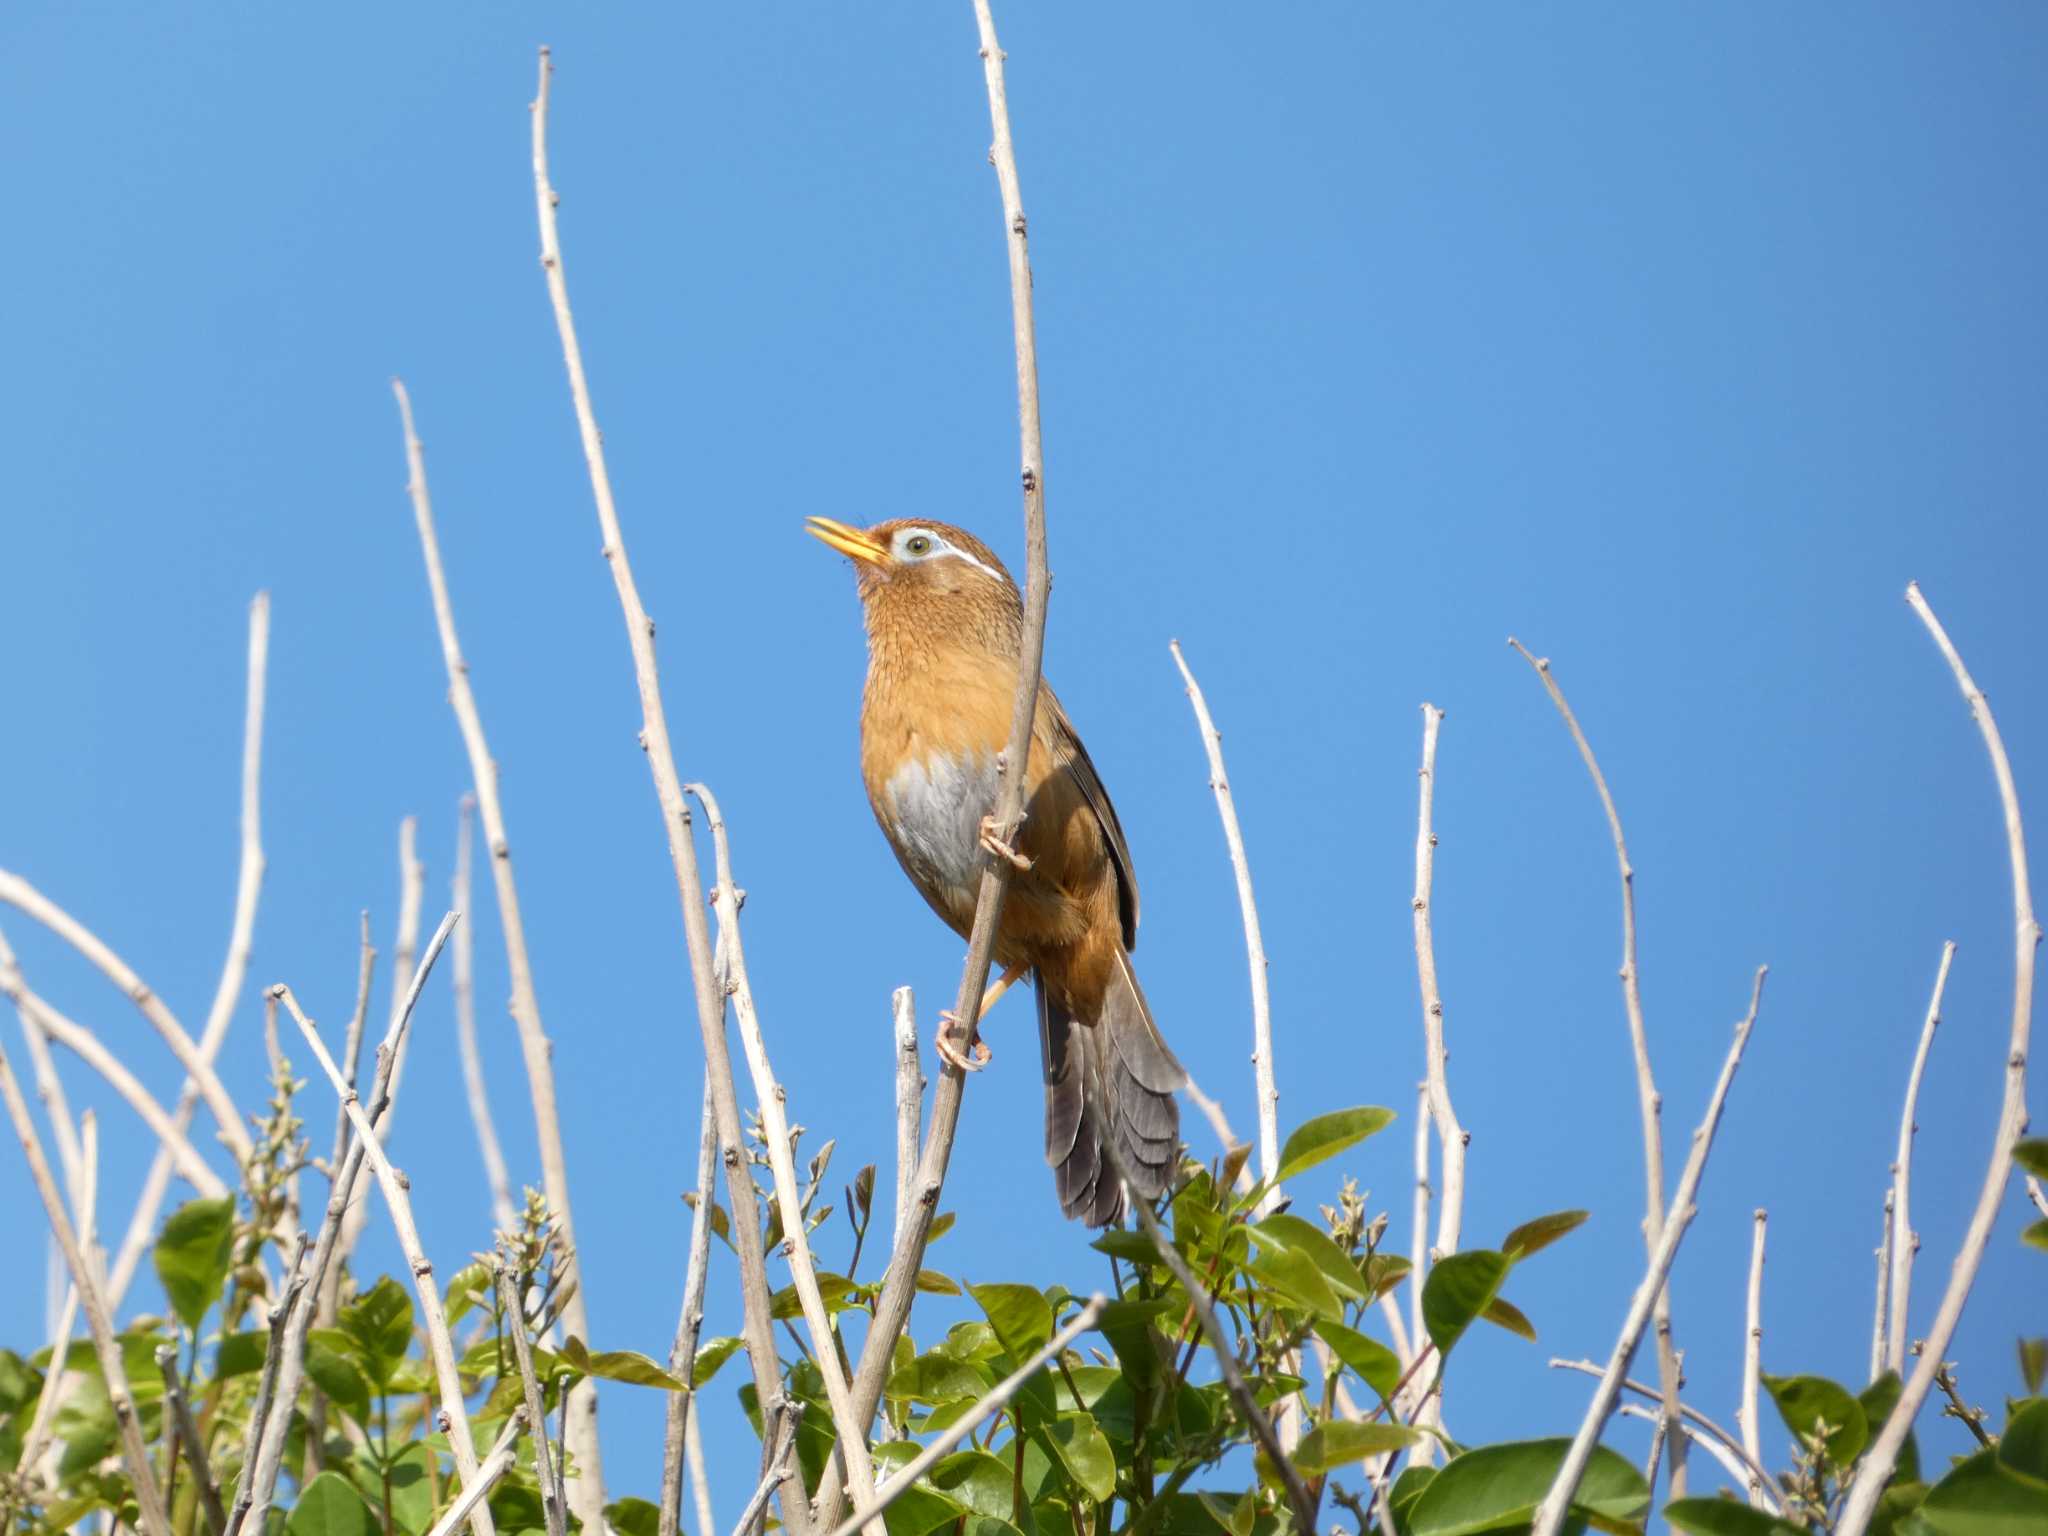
937	804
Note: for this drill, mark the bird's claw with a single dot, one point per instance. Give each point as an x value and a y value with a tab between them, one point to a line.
949	1032
1002	850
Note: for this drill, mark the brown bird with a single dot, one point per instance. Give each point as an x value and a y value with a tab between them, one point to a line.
945	624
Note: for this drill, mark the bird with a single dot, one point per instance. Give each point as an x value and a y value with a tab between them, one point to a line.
945	626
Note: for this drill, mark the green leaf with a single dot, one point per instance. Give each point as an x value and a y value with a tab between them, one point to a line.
469	1285
1314	1141
711	1354
1540	1233
1305	1238
1804	1401
978	1480
1877	1400
1893	1506
2023	1448
1084	1451
1382	1272
1725	1517
329	1506
330	1366
933	1283
1407	1489
934	1378
833	1290
2035	1235
1132	1247
1020	1316
194	1254
633	1517
1983	1498
618	1365
1460	1288
2032	1156
921	1508
379	1324
19	1385
2033	1364
1294	1275
412	1486
1378	1366
1339	1443
1496	1487
240	1354
1503	1313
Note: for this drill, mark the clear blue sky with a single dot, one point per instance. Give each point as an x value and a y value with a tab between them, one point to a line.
1674	341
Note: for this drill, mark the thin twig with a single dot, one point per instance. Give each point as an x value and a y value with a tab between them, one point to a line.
1254	943
2035	1194
1752	1356
909	1104
462	960
28	1008
1649	1101
327	1278
503	1454
455	1417
1220	1124
276	1392
675	812
546	1472
1876	1464
1418	1259
900	1482
851	1442
1905	1242
781	1468
682	1356
299	1322
85	1208
190	1440
1451	1136
1556	1503
700	1479
899	1287
1730	1462
1880	1325
579	1411
234	969
134	1453
1754	1472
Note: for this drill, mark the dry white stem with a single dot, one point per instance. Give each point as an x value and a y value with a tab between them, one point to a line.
18	893
412	885
700	1480
327	1278
234	968
547	1470
852	1440
1556	1503
899	1482
134	1453
49	1086
82	1043
1752	1357
1450	1135
909	1105
682	1356
455	1418
1730	1462
781	1467
291	1325
1698	1423
503	1453
2035	1194
580	1411
1905	1242
1397	1329
270	1410
462	957
1419	1256
1254	943
892	1307
1220	1124
85	1207
1880	1327
2012	1117
1649	1101
190	1441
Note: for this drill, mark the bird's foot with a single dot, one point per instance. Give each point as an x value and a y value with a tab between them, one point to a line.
948	1040
999	848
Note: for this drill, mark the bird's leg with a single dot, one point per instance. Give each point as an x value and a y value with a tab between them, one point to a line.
1001	850
946	1042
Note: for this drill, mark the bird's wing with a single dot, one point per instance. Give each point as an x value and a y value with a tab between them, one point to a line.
1068	753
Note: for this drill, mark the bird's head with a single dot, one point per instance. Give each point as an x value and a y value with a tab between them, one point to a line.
918	570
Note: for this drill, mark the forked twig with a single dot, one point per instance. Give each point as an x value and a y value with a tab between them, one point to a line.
1556	1503
1876	1464
1904	1241
547	1471
682	1357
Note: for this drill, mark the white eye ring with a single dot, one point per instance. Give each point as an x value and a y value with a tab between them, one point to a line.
918	545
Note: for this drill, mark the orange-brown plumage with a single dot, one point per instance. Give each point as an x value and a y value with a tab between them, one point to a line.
945	625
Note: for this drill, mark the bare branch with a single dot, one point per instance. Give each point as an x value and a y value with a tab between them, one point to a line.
1220	1124
682	1357
462	958
1752	1358
700	1480
1450	1135
1905	1242
909	1105
134	1453
1254	943
270	1411
503	1453
1753	1471
546	1471
454	1415
2012	1118
1880	1326
579	1429
234	968
49	1086
901	1481
781	1468
1556	1503
1648	1099
1419	1259
85	1206
1730	1462
327	1277
190	1440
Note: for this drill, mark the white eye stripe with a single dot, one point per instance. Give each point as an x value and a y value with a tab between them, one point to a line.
939	547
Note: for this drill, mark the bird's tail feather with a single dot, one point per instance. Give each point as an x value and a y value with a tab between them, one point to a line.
1111	1076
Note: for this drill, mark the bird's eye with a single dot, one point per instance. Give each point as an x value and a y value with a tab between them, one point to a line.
917	544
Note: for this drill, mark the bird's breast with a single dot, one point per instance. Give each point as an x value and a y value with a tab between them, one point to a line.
931	806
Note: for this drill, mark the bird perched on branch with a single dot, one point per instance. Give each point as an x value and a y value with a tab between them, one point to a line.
945	625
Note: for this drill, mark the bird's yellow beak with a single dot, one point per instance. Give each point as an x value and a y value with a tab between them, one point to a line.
847	540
